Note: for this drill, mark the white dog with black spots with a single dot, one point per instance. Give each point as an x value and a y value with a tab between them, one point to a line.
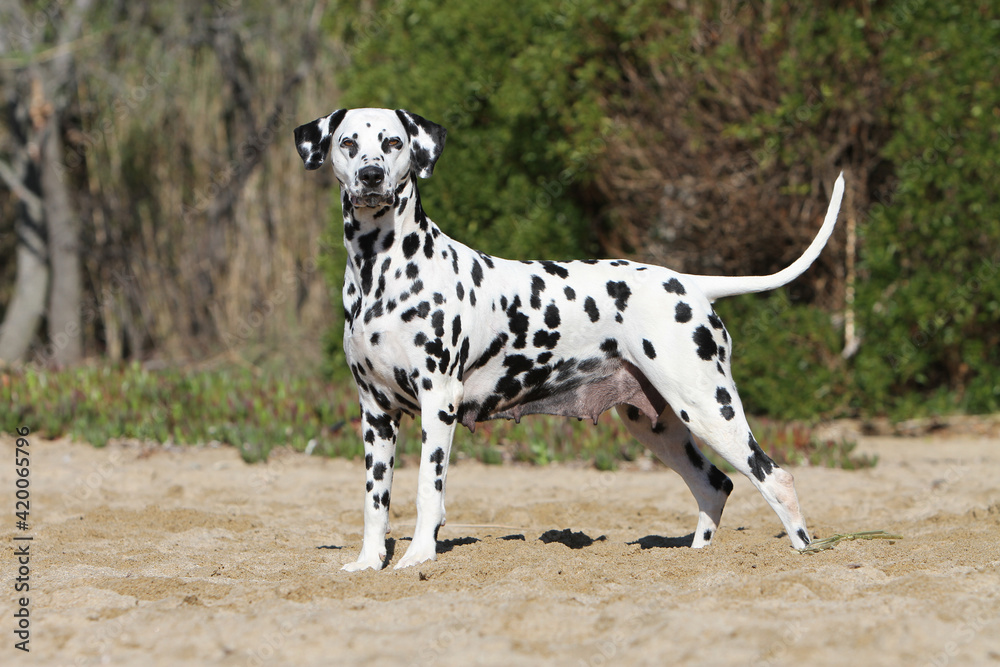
438	330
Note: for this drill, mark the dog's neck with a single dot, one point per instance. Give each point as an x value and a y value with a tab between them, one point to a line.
373	233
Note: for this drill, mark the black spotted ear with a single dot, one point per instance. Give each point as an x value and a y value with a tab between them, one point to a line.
313	139
426	141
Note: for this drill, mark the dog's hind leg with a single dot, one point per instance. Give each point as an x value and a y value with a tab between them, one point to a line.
707	403
670	439
725	429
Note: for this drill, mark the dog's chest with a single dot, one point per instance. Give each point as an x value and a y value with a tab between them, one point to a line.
406	329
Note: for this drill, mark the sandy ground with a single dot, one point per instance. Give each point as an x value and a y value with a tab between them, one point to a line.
187	555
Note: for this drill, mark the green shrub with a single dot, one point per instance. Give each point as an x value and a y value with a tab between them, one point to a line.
785	358
902	94
930	299
489	75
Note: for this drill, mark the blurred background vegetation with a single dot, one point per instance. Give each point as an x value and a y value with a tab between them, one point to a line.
153	209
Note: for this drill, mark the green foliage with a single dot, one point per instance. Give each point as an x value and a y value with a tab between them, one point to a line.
931	301
785	358
794	442
929	290
903	94
520	114
233	406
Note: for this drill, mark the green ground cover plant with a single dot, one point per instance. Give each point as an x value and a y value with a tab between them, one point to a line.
256	411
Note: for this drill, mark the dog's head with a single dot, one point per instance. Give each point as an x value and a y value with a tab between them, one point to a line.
371	150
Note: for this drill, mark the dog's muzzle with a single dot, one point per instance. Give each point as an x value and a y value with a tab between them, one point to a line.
372	189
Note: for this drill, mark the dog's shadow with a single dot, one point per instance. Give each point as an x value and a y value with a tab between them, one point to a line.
660	542
567	537
444	546
577	540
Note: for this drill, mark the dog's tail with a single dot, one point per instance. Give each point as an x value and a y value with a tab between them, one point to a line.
717	287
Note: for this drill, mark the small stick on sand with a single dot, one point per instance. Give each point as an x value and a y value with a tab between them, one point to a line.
829	542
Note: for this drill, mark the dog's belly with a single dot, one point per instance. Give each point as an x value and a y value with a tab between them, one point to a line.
567	387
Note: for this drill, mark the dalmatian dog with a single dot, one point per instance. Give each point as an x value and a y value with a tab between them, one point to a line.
439	330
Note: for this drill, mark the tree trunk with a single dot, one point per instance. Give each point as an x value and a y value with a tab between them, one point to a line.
64	257
28	304
36	100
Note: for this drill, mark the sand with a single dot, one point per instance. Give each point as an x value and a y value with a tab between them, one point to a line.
170	555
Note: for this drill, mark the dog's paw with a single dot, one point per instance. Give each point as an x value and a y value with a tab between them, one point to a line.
417	554
365	563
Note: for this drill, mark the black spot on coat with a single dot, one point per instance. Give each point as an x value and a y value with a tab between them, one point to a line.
555	269
620	292
705	342
552	316
682	313
674	286
719	480
545	339
696	459
760	463
537	287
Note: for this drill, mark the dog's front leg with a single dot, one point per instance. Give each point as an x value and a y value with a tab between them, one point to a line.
379	431
437	420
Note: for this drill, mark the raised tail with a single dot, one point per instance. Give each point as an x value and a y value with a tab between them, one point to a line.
716	287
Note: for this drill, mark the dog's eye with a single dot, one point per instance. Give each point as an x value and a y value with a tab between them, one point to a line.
347	143
395	143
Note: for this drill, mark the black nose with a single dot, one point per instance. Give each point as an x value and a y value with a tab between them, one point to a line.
371	176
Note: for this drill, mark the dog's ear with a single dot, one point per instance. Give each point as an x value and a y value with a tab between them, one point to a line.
426	141
313	139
